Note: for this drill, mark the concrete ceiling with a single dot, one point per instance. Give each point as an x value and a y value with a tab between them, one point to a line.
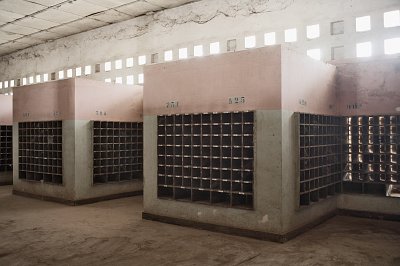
24	23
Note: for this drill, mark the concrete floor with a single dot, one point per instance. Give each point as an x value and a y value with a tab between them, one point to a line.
34	232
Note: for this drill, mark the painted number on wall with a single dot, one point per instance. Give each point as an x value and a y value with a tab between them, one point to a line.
302	102
56	114
236	100
26	114
101	113
172	104
354	106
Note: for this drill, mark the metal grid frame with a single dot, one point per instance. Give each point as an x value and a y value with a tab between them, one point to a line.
40	151
207	158
321	156
117	151
372	158
5	148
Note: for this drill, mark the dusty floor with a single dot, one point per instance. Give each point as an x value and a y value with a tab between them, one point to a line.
34	232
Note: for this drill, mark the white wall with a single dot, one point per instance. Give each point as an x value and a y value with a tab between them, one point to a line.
203	22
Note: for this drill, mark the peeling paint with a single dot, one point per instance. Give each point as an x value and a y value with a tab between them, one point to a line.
229	9
171	28
38	59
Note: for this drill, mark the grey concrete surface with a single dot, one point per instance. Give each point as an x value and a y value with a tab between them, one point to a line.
34	232
384	205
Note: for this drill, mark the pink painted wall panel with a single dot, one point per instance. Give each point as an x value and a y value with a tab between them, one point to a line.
369	88
308	85
206	84
6	109
78	99
45	101
119	102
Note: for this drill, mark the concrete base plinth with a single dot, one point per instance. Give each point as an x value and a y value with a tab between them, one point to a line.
280	238
78	202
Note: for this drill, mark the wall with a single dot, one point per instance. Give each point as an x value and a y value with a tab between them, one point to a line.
76	102
201	23
308	86
272	80
6	114
369	204
44	102
203	85
77	99
119	102
369	88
